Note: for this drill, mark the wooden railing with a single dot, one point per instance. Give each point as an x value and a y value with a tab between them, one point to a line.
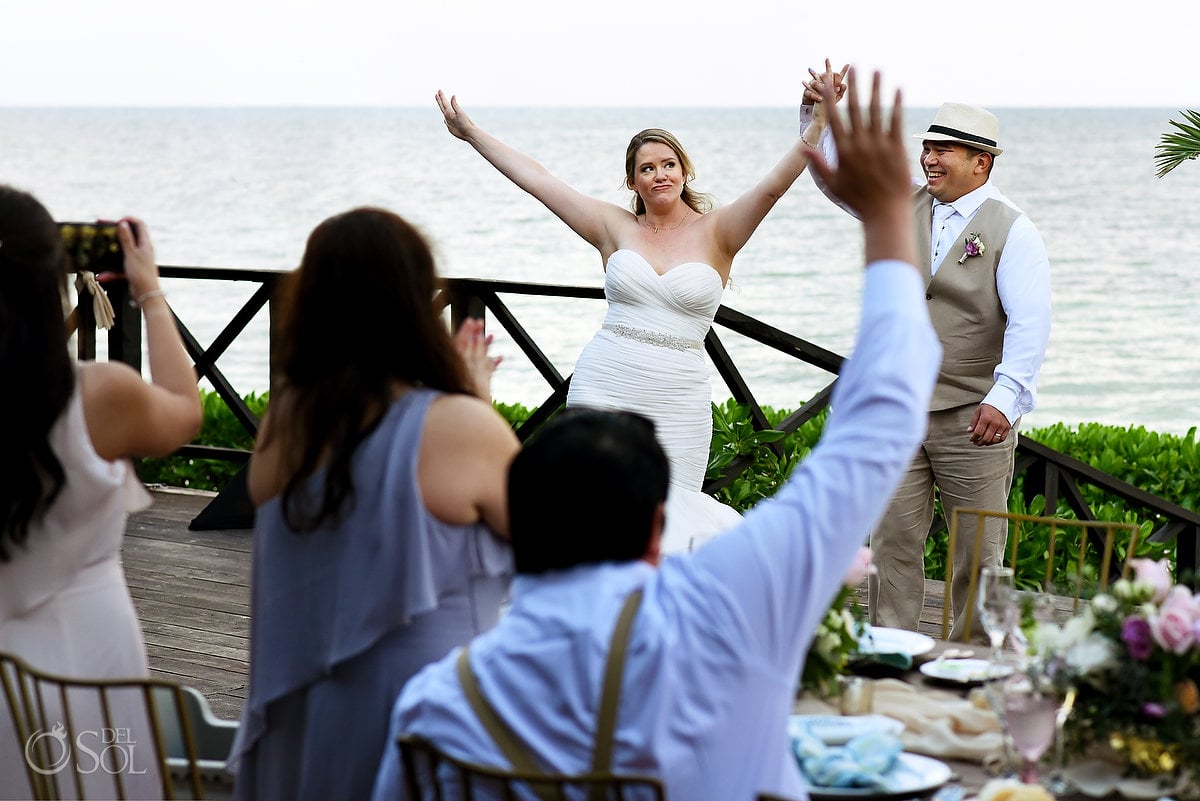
1046	471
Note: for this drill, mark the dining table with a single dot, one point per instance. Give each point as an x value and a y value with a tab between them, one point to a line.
944	715
907	695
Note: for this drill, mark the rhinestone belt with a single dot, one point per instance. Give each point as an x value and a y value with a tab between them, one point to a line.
653	337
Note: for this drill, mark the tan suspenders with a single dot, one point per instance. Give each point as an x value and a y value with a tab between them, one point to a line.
606	720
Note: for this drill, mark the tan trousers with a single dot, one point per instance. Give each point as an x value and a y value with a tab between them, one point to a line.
967	477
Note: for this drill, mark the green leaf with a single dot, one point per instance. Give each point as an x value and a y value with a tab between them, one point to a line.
1175	148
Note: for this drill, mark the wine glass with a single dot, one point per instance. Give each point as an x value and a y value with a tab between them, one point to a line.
1030	713
1034	609
996	604
999	670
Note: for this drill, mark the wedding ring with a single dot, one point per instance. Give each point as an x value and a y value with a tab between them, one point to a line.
998	435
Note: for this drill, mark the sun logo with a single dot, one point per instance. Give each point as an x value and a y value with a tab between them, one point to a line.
41	743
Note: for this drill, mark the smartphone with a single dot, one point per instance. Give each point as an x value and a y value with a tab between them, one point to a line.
92	246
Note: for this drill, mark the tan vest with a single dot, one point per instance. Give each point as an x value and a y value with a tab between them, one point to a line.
964	304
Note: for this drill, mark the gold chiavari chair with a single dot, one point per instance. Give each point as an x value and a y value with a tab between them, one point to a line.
108	738
1085	531
432	775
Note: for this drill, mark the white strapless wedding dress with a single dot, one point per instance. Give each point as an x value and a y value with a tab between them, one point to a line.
649	358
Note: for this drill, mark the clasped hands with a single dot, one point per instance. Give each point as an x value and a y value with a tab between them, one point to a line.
835	80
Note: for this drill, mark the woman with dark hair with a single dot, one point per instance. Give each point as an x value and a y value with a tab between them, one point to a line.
66	486
379	478
666	261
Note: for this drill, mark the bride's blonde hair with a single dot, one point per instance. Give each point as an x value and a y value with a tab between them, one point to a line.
697	201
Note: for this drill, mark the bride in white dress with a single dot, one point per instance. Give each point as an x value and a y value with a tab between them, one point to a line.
667	260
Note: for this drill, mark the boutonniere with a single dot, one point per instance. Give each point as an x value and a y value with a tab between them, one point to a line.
974	247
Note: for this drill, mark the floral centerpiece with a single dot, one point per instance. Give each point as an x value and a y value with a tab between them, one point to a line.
836	639
1133	656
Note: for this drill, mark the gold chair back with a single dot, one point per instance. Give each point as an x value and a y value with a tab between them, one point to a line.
1018	522
97	738
432	775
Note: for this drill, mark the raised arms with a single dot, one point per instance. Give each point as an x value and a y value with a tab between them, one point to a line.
738	221
126	416
594	220
872	172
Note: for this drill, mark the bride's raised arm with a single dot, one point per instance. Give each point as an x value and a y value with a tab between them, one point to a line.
736	222
592	219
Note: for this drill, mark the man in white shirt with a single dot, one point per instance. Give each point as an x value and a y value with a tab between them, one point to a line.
716	646
988	289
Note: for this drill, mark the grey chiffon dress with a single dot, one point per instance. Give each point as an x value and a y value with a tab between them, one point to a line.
342	616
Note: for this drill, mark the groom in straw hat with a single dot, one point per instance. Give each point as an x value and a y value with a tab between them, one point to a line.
988	289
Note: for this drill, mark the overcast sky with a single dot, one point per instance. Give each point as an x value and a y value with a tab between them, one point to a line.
1057	53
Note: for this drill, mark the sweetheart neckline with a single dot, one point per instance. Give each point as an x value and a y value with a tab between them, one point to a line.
646	262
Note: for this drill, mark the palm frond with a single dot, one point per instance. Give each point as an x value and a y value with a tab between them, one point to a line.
1175	148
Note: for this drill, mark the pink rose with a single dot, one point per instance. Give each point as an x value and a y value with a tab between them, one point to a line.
860	568
1154	574
1182	599
1174	627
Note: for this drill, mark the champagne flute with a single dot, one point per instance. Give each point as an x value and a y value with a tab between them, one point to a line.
1033	609
996	604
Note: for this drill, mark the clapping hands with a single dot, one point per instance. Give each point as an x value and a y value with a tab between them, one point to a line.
472	345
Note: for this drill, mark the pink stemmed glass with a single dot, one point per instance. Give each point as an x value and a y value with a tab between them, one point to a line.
1031	711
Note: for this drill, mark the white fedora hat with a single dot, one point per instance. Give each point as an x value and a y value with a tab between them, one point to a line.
968	125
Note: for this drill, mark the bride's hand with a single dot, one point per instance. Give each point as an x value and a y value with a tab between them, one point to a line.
457	121
836	80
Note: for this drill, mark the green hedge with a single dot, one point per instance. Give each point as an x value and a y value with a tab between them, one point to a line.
221	430
1162	464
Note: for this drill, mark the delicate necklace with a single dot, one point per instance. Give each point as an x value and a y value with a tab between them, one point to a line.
657	228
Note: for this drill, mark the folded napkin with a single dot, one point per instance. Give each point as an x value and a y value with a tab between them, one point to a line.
897	661
869	655
938	723
861	762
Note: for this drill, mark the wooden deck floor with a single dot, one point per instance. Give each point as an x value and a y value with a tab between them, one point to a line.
191	590
192	593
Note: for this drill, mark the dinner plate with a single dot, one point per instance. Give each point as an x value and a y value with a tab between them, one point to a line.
910	775
880	640
963	671
840	729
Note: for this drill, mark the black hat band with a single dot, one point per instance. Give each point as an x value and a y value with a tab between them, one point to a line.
957	134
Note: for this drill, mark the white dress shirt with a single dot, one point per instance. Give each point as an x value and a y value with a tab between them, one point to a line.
717	646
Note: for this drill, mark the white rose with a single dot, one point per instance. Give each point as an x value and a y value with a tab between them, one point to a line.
1047	638
1094	652
1077	629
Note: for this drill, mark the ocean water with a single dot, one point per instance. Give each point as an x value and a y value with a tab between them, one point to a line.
243	187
